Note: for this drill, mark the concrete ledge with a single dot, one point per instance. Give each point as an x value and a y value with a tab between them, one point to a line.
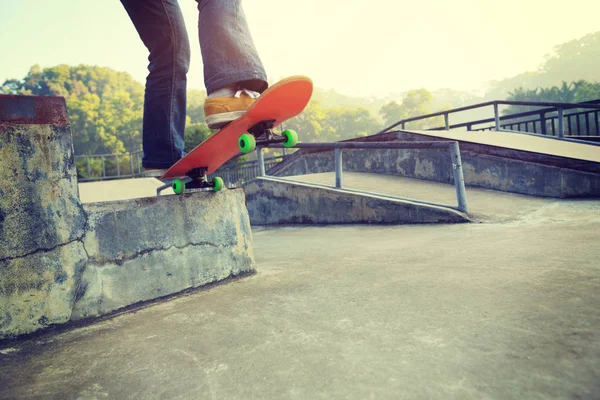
142	249
272	201
39	202
45	110
132	251
61	260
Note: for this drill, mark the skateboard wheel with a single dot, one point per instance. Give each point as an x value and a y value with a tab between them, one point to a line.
247	143
218	182
178	186
291	138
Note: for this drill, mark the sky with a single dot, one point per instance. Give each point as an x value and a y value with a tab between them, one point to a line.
356	47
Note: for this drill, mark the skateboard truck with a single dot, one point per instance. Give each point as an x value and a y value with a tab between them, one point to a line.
195	179
263	132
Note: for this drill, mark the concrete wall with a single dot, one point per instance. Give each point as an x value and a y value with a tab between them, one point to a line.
274	202
497	172
63	261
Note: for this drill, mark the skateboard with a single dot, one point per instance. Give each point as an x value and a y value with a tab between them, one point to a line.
280	102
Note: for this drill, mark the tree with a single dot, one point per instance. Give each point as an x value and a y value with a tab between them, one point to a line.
104	106
574	92
576	59
195	105
415	103
391	113
309	124
195	134
10	86
571	61
344	123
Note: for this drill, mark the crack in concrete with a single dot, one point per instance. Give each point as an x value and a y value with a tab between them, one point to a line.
8	259
120	261
48	250
79	277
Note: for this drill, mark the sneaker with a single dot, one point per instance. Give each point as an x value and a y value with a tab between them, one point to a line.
219	111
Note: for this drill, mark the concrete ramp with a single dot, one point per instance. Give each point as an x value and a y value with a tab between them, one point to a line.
508	162
518	141
273	201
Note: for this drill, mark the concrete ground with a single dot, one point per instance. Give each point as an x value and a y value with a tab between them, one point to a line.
503	309
119	189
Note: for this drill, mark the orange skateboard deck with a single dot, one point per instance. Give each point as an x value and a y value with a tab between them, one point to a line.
280	102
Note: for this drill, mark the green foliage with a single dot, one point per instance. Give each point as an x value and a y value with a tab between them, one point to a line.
575	59
318	124
104	106
195	106
331	99
416	103
195	134
344	123
391	113
574	92
586	91
309	124
111	165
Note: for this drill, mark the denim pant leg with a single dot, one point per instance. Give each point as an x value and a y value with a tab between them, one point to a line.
161	27
228	52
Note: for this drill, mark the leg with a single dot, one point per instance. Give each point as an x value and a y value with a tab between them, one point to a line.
161	27
230	61
228	52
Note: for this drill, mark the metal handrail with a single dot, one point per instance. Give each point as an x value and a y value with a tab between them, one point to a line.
551	107
132	170
452	146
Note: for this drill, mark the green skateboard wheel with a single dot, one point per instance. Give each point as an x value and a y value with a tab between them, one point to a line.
219	184
178	186
247	143
291	138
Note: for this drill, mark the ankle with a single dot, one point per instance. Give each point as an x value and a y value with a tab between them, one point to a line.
227	91
233	91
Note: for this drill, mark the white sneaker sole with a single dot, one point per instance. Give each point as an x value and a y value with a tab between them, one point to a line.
217	121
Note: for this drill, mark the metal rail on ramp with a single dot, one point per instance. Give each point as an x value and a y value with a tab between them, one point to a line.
338	147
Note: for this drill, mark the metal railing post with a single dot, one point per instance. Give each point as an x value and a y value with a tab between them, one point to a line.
118	170
139	165
88	167
103	168
338	168
496	116
131	164
561	123
447	121
459	179
543	123
261	161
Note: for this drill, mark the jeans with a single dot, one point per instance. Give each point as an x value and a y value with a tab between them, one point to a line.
228	54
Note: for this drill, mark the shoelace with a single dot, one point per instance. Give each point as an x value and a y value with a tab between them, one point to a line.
250	93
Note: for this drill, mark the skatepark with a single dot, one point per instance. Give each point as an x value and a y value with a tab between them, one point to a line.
498	301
